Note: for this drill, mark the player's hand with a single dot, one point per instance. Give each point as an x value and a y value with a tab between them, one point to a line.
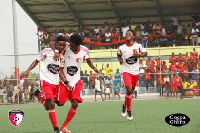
96	70
121	61
57	56
69	87
136	54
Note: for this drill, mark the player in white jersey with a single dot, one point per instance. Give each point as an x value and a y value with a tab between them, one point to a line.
49	78
74	54
128	55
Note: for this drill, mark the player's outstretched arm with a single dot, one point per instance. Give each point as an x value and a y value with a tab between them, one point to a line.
33	65
89	62
63	78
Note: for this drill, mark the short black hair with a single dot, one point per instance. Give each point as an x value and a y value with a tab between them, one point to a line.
134	34
60	38
77	39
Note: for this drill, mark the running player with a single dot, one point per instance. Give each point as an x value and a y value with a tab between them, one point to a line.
128	55
74	54
49	78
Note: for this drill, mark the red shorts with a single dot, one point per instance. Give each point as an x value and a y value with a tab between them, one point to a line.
130	79
74	94
49	90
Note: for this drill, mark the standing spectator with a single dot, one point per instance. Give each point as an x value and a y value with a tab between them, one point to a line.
125	29
172	67
115	36
144	35
174	88
107	69
185	73
164	67
167	84
91	80
137	31
179	84
108	36
85	78
15	91
96	29
195	33
98	88
133	25
158	28
103	31
9	90
180	34
148	79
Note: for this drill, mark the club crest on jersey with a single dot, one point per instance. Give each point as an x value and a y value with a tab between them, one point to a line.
78	59
16	117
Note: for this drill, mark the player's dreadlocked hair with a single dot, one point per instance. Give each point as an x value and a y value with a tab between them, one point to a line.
60	38
77	39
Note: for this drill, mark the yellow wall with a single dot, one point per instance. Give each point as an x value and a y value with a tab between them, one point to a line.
109	53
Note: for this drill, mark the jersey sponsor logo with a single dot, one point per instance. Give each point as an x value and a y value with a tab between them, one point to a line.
72	70
53	68
131	60
16	117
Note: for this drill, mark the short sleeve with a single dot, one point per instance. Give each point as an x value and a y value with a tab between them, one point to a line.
142	49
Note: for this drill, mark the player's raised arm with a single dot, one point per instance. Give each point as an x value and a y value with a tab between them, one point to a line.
33	65
57	54
89	62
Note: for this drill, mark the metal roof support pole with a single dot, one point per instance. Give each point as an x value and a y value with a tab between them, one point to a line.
80	25
114	9
15	45
159	10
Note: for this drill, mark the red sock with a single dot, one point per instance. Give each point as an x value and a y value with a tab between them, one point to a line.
128	100
70	116
125	102
52	117
41	97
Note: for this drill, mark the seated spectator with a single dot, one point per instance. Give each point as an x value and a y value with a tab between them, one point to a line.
185	85
193	87
116	88
107	91
26	94
98	89
117	76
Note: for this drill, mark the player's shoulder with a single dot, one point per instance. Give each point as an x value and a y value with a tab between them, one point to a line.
46	50
83	48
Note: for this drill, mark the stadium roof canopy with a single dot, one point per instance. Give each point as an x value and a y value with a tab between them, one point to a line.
65	14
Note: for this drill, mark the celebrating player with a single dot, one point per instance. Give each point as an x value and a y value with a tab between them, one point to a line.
49	78
74	54
128	55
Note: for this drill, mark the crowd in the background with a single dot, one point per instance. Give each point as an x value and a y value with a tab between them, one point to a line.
150	34
179	76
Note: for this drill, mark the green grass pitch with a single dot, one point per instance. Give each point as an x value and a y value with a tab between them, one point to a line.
104	117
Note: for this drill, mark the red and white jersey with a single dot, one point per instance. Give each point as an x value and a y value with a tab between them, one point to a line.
49	70
130	65
73	63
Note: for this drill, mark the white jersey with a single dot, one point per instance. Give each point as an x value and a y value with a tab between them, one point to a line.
130	65
73	63
50	68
